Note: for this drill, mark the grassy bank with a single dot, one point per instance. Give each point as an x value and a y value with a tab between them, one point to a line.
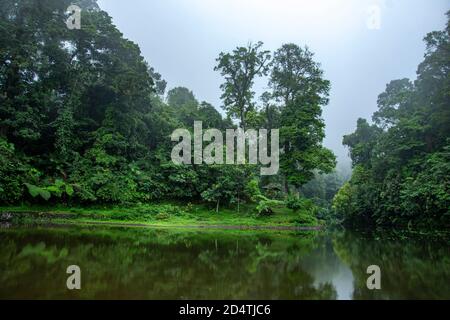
166	214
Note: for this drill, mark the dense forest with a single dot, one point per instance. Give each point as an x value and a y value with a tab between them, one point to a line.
402	161
84	120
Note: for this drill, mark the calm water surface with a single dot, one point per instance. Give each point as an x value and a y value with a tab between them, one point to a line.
137	263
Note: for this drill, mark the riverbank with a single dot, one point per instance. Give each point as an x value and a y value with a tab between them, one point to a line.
163	215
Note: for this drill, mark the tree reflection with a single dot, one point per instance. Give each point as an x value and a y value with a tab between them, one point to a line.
412	267
127	263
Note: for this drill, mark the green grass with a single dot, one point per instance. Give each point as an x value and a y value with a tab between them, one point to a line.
164	214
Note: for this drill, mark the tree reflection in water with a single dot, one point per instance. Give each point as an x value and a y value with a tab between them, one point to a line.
130	263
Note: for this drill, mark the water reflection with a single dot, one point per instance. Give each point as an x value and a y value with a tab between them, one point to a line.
130	263
326	267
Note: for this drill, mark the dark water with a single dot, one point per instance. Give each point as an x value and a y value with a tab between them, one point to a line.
133	263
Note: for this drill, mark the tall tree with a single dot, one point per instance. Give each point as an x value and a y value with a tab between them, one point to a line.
240	68
297	83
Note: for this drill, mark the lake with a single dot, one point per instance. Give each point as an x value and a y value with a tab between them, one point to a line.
146	263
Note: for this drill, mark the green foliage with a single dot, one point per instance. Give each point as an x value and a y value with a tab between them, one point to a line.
162	216
306	219
227	185
180	96
84	120
401	174
297	82
306	210
37	191
428	192
264	208
11	172
58	189
240	68
294	203
252	190
342	202
362	142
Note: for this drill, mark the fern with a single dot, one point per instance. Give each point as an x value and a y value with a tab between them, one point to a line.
37	191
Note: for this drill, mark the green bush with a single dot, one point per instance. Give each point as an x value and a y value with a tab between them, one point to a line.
306	218
162	216
263	208
294	203
13	173
266	206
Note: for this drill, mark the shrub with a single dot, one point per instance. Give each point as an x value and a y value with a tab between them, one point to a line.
263	208
162	216
294	203
305	218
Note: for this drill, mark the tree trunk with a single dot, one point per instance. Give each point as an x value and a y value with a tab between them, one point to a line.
242	119
238	203
286	186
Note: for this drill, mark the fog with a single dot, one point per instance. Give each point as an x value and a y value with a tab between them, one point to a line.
359	53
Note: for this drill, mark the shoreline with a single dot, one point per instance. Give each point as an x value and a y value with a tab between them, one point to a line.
58	217
217	227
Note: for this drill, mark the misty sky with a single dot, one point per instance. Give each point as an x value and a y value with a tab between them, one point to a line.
182	38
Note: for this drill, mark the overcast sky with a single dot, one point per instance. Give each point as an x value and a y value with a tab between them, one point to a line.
182	38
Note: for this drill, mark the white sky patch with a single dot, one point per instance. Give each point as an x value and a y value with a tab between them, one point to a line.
272	18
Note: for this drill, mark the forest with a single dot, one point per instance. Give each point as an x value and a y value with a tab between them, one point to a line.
85	120
401	161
